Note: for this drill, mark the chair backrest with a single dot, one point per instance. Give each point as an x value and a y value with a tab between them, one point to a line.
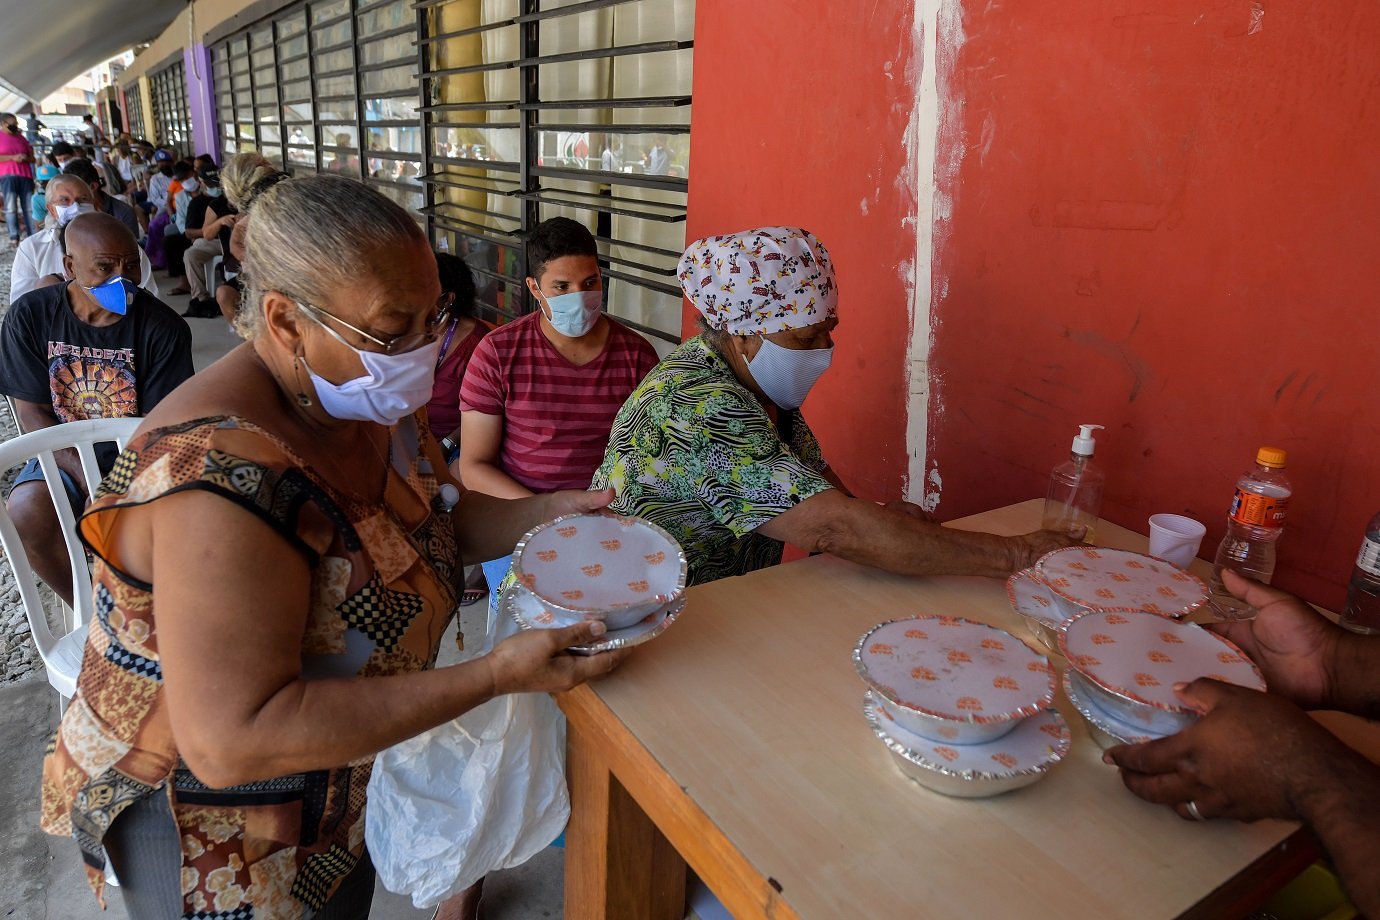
43	443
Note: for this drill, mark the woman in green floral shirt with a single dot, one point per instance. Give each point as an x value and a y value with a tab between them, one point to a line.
712	445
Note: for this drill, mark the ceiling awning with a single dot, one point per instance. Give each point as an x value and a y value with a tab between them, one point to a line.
46	44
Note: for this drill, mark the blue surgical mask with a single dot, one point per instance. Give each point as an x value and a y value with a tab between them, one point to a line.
575	313
114	295
787	374
213	192
392	388
190	186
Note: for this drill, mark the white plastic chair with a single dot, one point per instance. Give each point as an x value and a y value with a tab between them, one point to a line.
61	654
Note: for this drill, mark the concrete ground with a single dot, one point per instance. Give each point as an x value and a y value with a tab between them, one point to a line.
41	877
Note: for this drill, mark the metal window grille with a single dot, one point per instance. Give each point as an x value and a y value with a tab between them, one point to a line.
501	155
134	111
327	86
172	119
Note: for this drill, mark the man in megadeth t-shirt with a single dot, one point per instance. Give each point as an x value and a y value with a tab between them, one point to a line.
97	346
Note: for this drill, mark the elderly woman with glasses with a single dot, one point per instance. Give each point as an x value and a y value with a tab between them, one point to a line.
278	552
712	446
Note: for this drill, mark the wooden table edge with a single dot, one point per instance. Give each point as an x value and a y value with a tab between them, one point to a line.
742	888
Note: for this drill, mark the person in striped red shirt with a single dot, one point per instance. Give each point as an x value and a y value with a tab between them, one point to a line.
540	393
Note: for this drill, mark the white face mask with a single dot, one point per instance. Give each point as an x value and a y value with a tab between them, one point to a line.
392	388
190	186
66	213
575	313
787	374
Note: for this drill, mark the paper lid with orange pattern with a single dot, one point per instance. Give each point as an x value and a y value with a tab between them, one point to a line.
1104	579
1033	746
1031	599
1141	656
954	669
589	563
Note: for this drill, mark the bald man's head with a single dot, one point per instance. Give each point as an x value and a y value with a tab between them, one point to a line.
98	247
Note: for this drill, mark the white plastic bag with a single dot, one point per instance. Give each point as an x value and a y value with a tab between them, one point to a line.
483	792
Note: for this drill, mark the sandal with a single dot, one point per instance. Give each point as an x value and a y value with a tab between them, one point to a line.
471	596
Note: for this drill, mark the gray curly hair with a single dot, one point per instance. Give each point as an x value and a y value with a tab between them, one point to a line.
310	236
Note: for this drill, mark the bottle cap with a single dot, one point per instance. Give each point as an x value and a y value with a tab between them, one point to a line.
1084	444
1273	457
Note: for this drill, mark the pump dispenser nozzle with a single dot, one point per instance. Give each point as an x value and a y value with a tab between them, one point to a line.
1084	444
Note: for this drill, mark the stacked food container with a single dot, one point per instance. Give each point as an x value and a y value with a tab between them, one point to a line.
626	571
965	709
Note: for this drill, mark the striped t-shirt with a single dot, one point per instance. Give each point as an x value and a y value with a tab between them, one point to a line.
556	416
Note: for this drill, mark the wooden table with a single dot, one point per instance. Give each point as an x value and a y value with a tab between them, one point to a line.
736	743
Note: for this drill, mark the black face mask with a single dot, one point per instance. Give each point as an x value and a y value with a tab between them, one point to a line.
13	129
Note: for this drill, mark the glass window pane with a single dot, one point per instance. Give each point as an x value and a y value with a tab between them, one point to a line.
273	152
262	37
266	95
335	60
241	83
268	132
339	110
395	108
393	16
297	70
340	136
302	156
336	86
397	48
391	80
300	135
344	162
477	143
263	58
300	111
294	92
292	25
293	47
239	47
410	200
323	11
396	140
332	35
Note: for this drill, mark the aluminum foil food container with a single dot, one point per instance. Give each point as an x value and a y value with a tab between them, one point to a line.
1106	729
618	569
531	613
973	771
1037	607
1100	579
951	680
1132	661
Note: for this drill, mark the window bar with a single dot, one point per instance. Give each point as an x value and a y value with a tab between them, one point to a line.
361	142
529	118
587	54
428	190
310	35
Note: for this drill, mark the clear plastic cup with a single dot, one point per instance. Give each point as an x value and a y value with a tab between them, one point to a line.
1175	538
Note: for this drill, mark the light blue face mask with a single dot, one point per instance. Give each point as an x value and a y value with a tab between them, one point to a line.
114	295
787	374
575	313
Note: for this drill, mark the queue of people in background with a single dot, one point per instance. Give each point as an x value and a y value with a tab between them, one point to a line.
16	178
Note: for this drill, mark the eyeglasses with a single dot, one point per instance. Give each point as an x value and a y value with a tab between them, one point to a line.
398	344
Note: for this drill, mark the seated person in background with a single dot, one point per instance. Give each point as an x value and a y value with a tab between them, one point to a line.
61	154
458	342
207	214
541	392
1257	755
95	347
106	203
245	178
38	204
39	260
712	445
175	241
160	178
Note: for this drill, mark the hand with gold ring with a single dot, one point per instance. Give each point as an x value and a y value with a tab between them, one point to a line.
1250	756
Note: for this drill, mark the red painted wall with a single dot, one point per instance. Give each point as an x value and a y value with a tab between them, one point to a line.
1167	222
798	119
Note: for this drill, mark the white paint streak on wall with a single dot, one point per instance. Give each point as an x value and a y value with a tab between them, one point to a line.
938	35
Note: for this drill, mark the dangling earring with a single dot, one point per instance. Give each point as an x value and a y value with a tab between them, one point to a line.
303	399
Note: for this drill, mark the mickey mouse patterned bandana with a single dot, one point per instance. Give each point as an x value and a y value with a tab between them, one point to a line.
760	281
